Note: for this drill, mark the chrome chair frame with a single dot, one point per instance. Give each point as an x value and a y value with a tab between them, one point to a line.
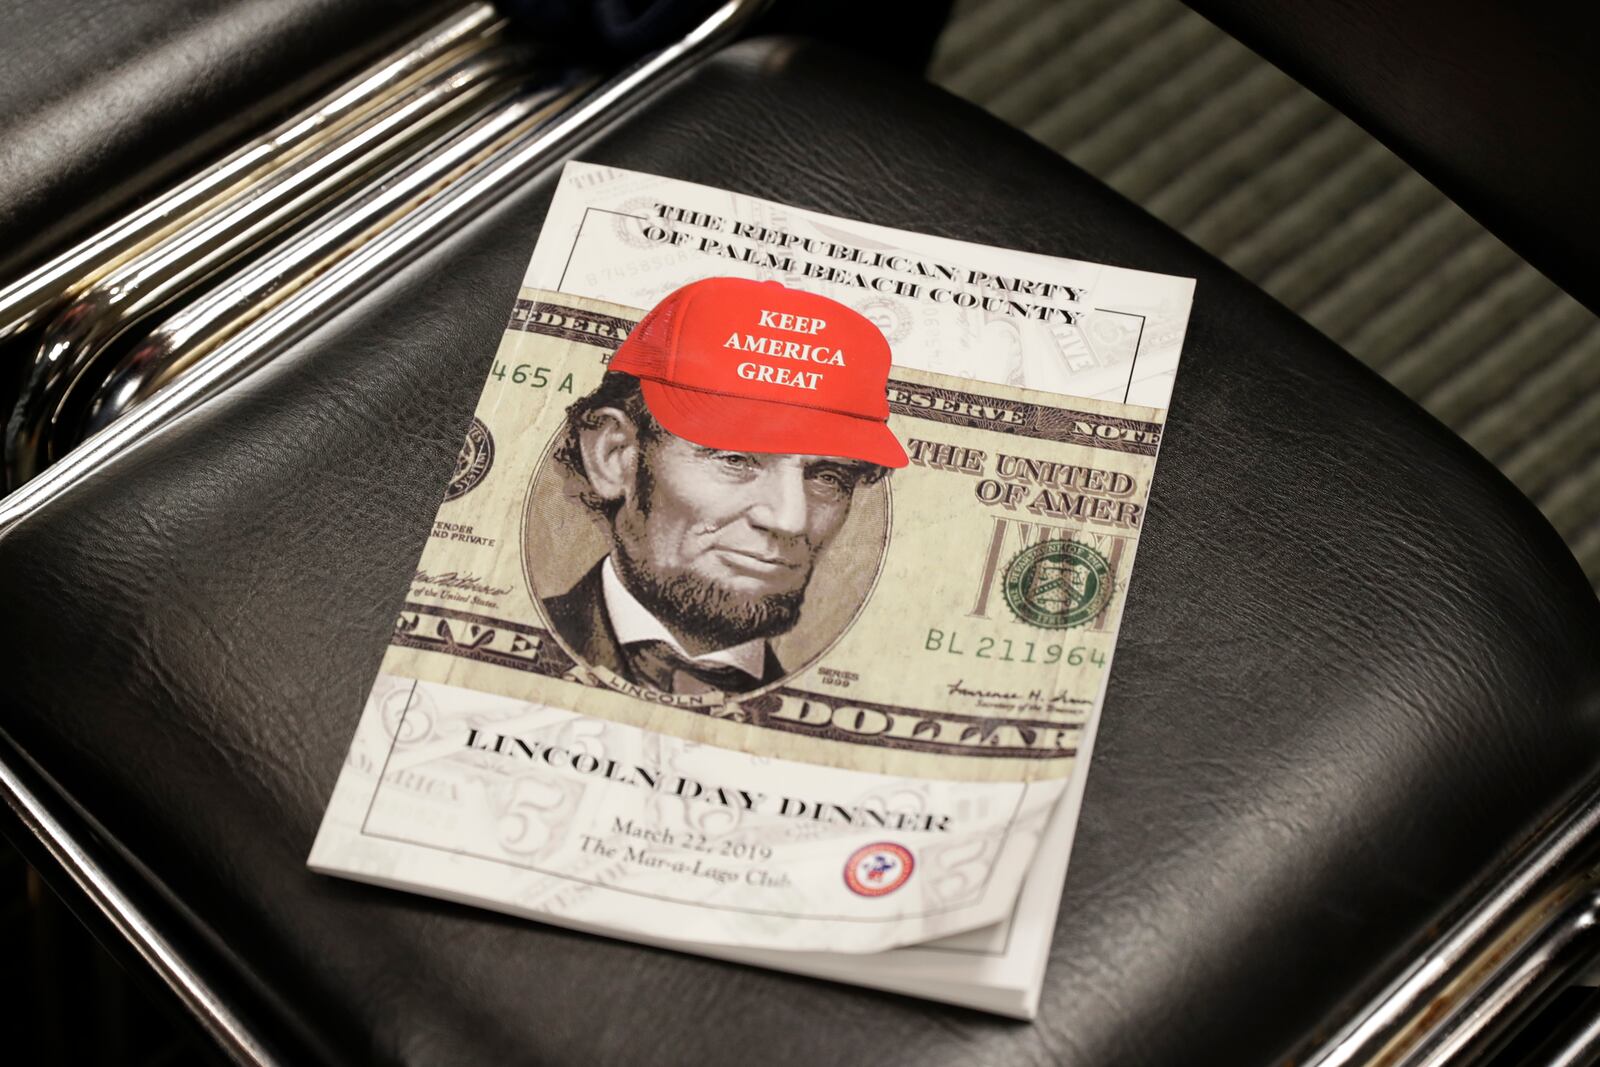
242	219
1529	927
192	331
457	136
25	301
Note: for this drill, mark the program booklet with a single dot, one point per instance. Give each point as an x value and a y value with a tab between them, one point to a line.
769	609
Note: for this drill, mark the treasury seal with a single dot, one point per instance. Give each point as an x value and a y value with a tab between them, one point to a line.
472	465
1057	584
877	870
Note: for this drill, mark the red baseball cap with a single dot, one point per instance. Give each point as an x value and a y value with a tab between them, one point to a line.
758	367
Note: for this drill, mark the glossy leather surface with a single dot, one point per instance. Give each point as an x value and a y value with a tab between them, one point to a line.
100	102
1355	668
1494	102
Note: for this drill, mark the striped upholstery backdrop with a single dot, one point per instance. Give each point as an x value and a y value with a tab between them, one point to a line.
1164	107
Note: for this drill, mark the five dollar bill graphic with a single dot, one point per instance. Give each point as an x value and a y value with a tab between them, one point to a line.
872	769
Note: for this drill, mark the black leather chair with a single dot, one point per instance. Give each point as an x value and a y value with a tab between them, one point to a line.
1357	675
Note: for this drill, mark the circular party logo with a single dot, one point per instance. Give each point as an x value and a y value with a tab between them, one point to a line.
878	869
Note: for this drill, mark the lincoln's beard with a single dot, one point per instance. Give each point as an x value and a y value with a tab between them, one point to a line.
705	610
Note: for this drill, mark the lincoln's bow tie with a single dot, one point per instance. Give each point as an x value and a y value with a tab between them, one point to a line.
662	667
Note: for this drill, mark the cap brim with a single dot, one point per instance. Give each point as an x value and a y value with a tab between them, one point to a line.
738	424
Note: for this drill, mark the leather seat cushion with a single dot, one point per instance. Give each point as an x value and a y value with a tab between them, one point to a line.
1356	666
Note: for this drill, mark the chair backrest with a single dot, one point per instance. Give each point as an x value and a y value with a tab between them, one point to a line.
1496	103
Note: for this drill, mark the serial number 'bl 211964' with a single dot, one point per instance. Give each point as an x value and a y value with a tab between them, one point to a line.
1007	650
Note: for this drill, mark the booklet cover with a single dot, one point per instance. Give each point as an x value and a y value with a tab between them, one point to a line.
769	609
